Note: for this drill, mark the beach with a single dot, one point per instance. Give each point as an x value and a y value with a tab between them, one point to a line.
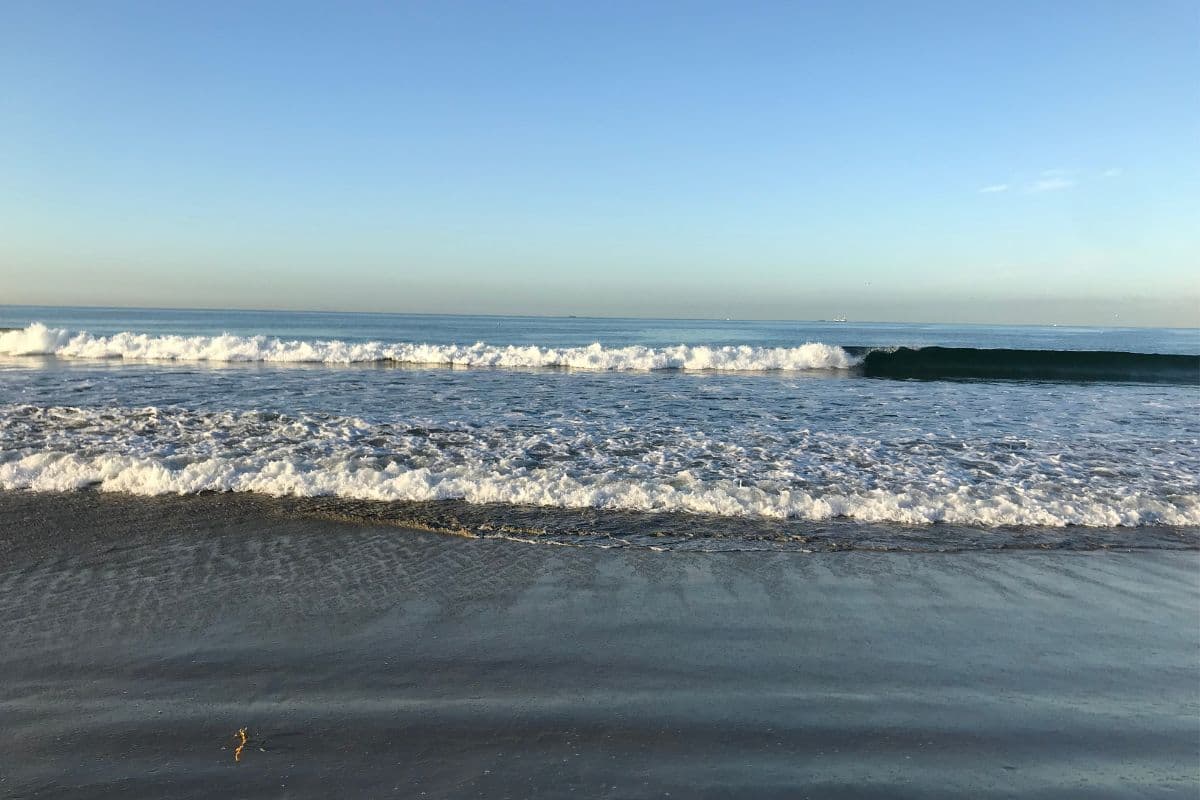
140	634
486	400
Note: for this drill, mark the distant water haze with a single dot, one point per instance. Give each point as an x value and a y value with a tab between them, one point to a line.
1178	311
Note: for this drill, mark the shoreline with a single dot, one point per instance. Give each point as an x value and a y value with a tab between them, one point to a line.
373	659
605	529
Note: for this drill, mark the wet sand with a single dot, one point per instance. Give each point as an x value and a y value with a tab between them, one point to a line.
137	636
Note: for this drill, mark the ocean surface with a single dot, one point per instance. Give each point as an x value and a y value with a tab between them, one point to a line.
672	434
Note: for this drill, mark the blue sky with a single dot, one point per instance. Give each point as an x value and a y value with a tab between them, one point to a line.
1009	162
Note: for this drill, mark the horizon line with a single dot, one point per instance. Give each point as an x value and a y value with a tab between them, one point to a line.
592	317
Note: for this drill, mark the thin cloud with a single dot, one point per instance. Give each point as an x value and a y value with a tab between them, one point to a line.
1051	184
1052	180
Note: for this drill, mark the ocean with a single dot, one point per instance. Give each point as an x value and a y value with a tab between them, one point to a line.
663	434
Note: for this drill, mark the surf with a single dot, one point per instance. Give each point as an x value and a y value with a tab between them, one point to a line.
898	363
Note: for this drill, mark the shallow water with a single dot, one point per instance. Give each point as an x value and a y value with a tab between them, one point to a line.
705	449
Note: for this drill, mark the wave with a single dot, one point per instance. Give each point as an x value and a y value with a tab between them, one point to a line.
38	339
59	471
928	363
154	451
1054	365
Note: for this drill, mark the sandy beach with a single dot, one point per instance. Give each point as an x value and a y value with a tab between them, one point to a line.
139	635
600	400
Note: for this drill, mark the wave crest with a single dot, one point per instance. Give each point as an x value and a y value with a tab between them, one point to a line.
39	339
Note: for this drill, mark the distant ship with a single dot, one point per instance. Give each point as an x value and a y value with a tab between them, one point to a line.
839	318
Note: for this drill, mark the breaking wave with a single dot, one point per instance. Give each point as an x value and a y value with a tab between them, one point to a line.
38	339
925	363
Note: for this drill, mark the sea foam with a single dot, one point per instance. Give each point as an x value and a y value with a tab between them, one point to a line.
151	451
39	339
57	471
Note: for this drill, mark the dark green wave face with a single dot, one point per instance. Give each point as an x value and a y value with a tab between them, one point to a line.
933	363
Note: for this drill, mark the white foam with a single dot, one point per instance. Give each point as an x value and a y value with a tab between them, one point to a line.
162	451
58	471
38	339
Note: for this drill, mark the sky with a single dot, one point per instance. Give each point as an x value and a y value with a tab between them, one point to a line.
1021	162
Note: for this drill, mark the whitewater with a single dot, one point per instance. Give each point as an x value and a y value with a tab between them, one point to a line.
39	339
697	428
153	451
